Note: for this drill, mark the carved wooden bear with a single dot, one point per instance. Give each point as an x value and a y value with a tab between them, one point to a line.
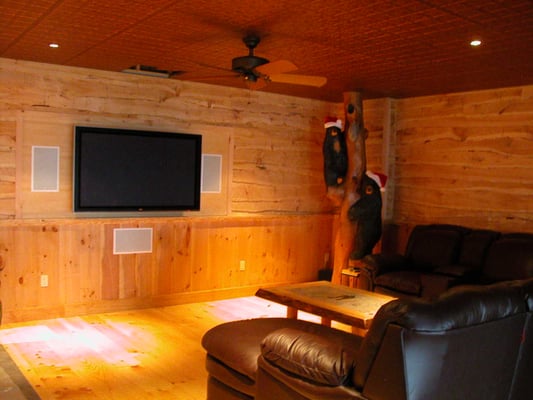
366	212
335	154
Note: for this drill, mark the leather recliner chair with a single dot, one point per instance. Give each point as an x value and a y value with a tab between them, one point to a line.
473	342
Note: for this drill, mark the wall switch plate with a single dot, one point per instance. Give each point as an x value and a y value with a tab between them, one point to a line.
44	280
242	265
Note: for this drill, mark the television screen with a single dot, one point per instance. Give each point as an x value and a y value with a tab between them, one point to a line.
133	170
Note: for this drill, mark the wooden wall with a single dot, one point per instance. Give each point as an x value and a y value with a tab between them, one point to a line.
194	259
272	211
467	159
460	158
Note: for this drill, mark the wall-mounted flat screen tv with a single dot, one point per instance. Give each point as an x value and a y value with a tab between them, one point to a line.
134	170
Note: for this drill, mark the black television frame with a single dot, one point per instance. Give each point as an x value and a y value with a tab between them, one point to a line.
192	156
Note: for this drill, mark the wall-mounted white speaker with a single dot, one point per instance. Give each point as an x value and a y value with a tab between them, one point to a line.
211	173
132	240
44	169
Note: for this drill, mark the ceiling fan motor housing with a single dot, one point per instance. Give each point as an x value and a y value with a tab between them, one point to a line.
247	63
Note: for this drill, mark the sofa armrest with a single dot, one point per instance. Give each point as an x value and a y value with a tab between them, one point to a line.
316	358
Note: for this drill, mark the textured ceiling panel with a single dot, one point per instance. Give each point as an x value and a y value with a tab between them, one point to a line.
382	47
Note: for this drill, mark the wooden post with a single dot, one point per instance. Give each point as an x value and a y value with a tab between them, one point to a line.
355	145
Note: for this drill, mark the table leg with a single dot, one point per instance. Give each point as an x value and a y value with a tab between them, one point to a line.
359	331
326	321
292	312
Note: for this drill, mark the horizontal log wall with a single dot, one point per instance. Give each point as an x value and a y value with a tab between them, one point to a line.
466	159
461	158
274	142
272	211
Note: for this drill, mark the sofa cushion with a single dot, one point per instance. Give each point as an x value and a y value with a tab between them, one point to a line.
475	246
433	285
508	258
434	245
222	376
312	357
237	344
404	281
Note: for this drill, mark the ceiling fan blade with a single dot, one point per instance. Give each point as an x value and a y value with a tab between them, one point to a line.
307	80
213	67
185	77
276	67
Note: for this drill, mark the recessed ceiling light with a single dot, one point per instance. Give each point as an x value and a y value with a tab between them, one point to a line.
475	43
53	45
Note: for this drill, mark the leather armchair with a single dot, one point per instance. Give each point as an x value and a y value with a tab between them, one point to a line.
469	344
473	342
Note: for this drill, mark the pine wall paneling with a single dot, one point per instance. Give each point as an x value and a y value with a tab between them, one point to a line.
459	158
7	167
193	257
272	211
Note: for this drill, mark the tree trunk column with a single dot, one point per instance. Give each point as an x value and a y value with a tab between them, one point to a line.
344	236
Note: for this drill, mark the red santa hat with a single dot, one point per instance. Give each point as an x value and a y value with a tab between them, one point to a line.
332	121
380	179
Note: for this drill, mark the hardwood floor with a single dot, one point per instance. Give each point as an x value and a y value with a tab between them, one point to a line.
144	354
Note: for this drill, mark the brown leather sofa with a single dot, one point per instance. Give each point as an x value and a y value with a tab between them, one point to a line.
438	257
473	342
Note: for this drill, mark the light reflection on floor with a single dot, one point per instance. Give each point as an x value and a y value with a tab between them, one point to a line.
79	342
157	350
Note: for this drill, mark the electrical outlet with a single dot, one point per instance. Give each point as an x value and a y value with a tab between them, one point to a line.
242	265
44	280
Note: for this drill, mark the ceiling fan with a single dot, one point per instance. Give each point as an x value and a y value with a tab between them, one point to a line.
258	71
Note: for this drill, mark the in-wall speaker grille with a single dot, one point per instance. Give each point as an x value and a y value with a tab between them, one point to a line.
44	169
132	240
211	173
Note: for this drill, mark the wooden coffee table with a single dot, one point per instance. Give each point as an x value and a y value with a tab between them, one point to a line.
332	302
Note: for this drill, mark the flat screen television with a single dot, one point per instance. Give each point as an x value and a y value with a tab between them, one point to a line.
135	170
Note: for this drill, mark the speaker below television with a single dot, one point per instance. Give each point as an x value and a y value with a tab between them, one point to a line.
136	170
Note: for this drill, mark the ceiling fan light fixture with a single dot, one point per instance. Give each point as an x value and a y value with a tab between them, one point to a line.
250	77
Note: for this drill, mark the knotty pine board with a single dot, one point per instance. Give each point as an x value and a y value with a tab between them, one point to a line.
192	258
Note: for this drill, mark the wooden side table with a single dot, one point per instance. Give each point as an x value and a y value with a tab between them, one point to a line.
350	277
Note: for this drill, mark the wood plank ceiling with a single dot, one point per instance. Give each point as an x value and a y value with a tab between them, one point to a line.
382	47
